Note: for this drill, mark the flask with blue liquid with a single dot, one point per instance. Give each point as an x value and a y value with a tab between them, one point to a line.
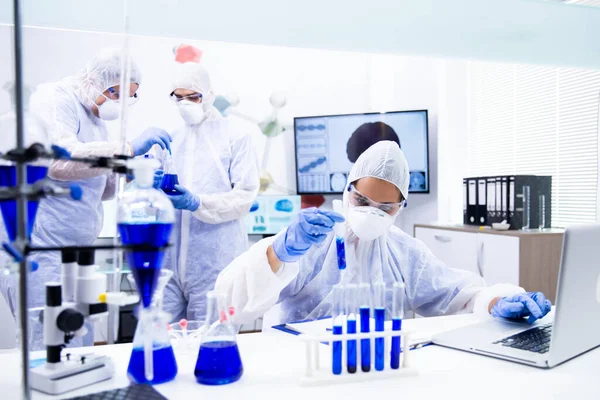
219	360
170	178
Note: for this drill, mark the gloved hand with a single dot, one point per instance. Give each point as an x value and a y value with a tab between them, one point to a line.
532	304
158	178
151	136
186	200
311	226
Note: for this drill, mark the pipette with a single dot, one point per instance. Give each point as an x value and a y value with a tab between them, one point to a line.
365	320
379	311
397	316
340	232
350	300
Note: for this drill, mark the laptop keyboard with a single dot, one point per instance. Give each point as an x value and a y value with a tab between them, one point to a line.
536	339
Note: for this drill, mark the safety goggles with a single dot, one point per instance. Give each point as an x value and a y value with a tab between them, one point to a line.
358	199
114	94
194	98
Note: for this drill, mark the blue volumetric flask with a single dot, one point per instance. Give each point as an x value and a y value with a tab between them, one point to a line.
219	361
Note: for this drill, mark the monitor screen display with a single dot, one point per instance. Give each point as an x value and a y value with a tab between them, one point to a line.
271	214
328	146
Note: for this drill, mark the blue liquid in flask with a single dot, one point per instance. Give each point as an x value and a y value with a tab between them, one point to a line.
351	351
341	252
218	363
8	178
145	265
379	342
365	344
396	345
168	184
164	365
337	351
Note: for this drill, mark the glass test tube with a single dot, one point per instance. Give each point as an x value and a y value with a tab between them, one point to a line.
526	206
397	316
338	321
379	311
365	321
350	300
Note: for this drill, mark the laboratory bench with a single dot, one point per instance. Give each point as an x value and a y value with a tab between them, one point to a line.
275	361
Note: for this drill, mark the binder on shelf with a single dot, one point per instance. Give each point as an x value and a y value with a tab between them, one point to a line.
491	200
472	201
505	195
465	201
481	201
499	199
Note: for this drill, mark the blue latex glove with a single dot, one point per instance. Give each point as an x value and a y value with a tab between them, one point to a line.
151	136
532	304
158	178
186	200
311	226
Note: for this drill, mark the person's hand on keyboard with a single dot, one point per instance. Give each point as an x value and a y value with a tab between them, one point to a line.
532	304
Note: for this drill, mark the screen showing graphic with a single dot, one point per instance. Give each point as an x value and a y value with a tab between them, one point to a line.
271	214
328	146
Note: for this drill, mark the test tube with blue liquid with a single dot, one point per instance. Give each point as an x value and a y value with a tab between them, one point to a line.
351	291
364	298
397	316
340	231
338	328
379	311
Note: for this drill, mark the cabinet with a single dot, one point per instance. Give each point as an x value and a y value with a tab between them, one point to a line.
528	259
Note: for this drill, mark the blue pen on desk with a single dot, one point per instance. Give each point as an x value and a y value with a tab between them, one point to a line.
364	297
337	321
397	316
379	311
350	299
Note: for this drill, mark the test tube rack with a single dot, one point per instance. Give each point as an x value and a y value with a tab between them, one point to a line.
318	374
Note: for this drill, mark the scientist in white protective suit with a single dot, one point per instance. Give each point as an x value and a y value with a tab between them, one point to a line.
71	113
297	268
218	174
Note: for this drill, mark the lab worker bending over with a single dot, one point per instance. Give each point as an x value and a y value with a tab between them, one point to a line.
71	113
296	269
219	178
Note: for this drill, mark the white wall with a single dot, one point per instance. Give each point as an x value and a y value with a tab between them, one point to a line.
317	82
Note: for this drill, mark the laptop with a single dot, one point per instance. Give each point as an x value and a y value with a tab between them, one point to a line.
571	329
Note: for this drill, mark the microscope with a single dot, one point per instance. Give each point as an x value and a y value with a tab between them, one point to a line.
81	295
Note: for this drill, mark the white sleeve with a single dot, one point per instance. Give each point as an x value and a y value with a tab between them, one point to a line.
251	286
223	207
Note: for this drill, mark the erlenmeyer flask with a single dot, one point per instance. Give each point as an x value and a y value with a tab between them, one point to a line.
145	217
152	327
170	178
219	360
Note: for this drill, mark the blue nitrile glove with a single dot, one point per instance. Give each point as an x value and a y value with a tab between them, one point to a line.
158	178
311	226
186	200
151	136
532	304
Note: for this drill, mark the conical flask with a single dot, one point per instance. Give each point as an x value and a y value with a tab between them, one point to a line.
145	217
170	178
152	358
219	360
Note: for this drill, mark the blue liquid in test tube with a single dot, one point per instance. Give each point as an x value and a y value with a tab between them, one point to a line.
379	306
397	316
365	321
341	252
338	320
350	296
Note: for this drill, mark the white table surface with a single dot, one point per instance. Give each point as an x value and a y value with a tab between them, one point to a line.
274	362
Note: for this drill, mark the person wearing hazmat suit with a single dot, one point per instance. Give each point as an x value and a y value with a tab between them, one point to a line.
297	268
219	178
71	113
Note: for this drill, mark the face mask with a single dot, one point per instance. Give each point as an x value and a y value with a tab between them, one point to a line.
369	223
109	110
192	113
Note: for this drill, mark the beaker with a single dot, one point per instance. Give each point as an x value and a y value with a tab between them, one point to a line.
152	359
219	360
170	178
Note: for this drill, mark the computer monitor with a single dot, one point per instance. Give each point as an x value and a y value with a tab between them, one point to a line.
271	214
328	146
